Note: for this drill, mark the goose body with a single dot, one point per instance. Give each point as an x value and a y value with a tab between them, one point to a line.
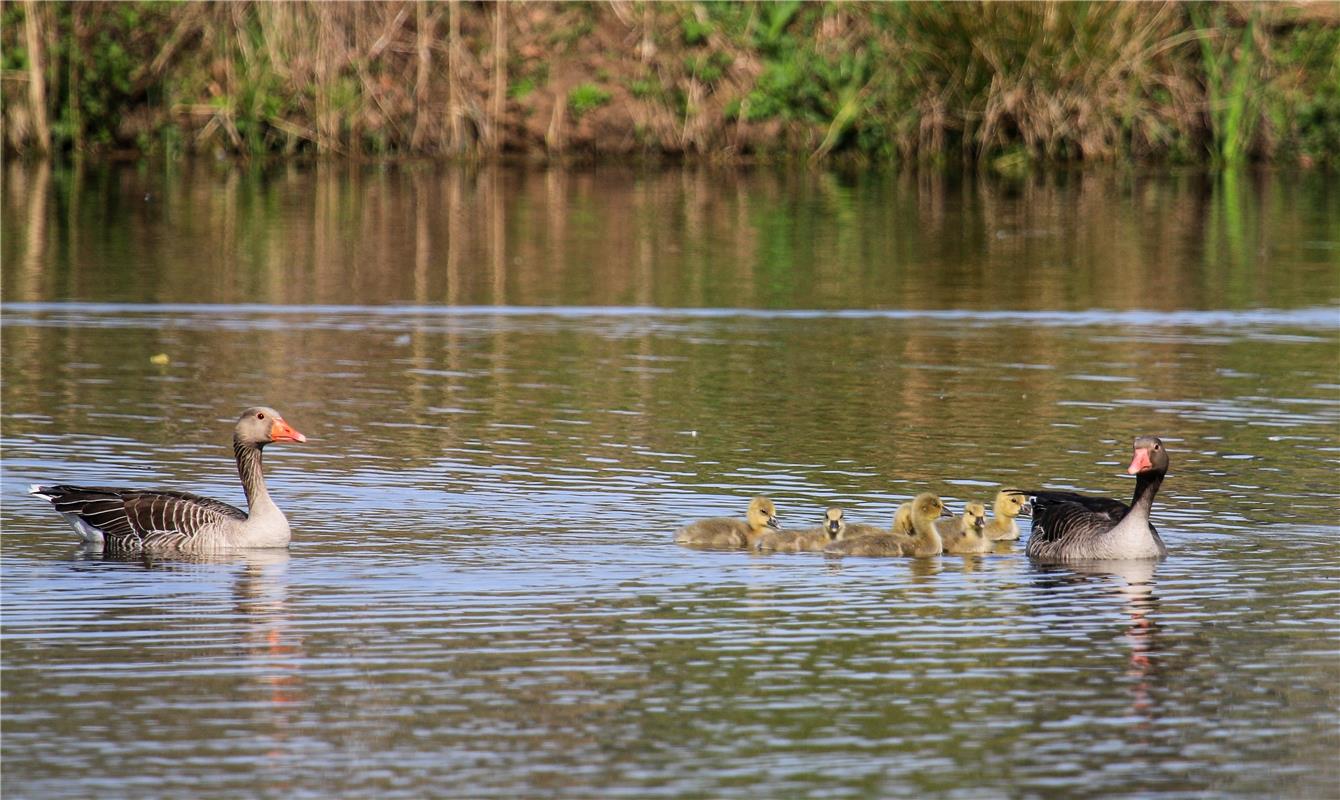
812	540
729	533
964	535
1073	527
137	519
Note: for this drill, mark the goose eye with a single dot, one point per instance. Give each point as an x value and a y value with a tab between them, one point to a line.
260	415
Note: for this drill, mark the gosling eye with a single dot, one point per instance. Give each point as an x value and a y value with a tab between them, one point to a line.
260	415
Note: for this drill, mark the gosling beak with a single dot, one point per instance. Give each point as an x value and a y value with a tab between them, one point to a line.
281	431
1026	510
945	512
979	523
1140	462
774	524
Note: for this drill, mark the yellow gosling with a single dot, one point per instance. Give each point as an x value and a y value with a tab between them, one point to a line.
924	541
964	535
812	540
728	533
1009	505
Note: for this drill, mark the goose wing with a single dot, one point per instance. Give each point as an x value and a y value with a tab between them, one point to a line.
1112	509
133	517
1060	516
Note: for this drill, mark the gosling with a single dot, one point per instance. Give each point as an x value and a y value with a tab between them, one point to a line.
812	540
1009	505
727	533
964	535
924	541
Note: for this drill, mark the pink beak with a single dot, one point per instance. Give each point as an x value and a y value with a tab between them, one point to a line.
1140	462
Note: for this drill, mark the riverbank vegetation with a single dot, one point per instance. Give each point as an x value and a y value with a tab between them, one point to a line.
1001	84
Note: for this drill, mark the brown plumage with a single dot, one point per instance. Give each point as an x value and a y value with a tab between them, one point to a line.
137	519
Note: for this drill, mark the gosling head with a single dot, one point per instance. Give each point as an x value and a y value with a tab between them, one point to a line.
763	514
1011	504
975	515
833	522
927	506
1150	456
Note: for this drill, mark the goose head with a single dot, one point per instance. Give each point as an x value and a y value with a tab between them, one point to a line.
1150	456
833	523
1010	504
260	425
762	514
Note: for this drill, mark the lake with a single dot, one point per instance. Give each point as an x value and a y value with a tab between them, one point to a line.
516	384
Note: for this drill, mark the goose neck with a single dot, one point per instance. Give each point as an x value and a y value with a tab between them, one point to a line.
248	457
1146	488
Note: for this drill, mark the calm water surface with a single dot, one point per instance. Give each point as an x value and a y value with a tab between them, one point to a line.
517	384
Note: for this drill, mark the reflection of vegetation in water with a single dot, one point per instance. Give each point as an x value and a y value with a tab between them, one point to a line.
679	238
854	406
897	396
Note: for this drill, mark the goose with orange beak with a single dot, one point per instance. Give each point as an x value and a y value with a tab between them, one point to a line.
1074	527
139	520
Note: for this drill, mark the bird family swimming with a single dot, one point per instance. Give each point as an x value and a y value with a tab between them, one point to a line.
1067	526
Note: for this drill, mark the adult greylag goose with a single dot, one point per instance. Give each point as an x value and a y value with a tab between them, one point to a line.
812	540
135	519
1009	505
924	541
964	535
1075	527
725	532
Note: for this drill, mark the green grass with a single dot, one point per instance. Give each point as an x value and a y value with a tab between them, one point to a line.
585	98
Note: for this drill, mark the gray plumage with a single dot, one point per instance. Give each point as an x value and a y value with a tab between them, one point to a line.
1068	526
136	519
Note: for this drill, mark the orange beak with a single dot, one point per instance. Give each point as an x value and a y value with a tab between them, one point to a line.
1140	462
281	431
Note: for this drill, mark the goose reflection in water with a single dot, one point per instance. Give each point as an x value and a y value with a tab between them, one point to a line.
1131	582
270	647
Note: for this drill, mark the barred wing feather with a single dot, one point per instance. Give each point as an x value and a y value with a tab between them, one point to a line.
132	517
